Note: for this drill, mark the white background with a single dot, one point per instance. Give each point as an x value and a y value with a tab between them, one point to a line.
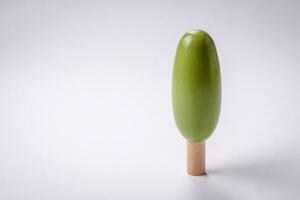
85	100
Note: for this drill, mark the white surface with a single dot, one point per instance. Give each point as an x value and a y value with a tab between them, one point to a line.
85	107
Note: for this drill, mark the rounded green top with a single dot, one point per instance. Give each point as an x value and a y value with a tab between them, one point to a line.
196	87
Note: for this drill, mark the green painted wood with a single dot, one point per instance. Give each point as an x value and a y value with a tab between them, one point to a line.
196	86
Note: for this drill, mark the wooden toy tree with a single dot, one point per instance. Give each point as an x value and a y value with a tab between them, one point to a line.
196	94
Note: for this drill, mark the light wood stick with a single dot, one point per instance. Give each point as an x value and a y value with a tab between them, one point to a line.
196	158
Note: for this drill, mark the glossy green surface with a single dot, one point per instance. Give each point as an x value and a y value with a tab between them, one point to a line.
196	87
